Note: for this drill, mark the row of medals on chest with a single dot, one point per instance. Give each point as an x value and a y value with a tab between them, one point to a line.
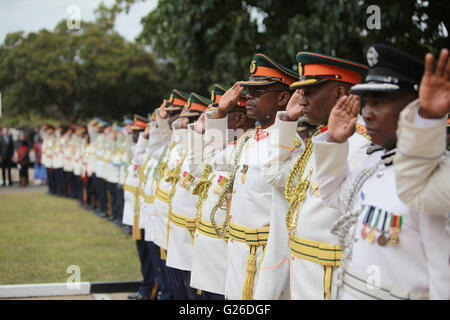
381	225
187	180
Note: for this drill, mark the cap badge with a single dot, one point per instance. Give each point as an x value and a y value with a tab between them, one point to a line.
171	98
300	68
212	96
372	57
253	67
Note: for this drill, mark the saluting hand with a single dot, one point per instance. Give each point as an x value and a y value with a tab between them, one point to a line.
293	109
147	131
434	91
342	119
229	99
162	110
199	125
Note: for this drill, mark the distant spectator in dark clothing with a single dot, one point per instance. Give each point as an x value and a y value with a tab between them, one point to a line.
6	154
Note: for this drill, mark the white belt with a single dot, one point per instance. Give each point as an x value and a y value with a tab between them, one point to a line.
359	286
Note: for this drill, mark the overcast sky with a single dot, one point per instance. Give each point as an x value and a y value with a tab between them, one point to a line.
33	15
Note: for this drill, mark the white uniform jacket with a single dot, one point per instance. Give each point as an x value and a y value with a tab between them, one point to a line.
391	251
209	261
132	181
309	275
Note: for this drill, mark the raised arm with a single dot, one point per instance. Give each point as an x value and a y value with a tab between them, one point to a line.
283	150
331	151
421	166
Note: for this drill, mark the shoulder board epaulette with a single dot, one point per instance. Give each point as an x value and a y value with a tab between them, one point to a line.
362	130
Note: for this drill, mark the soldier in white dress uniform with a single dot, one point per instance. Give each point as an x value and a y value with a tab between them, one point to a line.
91	161
131	215
390	250
209	261
125	159
66	149
166	115
155	149
47	156
100	140
182	206
58	159
78	144
116	138
85	173
300	242
247	195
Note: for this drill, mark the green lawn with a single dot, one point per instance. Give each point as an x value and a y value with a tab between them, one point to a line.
42	235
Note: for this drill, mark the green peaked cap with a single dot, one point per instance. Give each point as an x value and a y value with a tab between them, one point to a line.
195	105
266	71
315	68
177	100
219	90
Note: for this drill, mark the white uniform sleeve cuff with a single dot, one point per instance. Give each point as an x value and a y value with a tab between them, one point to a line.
330	158
216	130
425	122
420	137
195	145
142	142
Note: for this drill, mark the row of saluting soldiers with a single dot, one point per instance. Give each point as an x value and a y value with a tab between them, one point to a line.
225	199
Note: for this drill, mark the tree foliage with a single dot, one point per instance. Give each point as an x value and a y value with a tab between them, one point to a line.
202	41
211	41
194	44
92	71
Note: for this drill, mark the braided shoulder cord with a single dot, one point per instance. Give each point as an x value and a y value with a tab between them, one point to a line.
174	175
162	166
349	217
158	164
228	188
156	170
201	190
147	172
296	195
142	174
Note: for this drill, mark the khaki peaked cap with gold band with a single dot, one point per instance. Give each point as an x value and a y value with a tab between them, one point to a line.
139	123
316	68
177	100
195	106
265	71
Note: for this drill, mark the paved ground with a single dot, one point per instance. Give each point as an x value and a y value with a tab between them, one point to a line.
33	185
97	296
16	188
